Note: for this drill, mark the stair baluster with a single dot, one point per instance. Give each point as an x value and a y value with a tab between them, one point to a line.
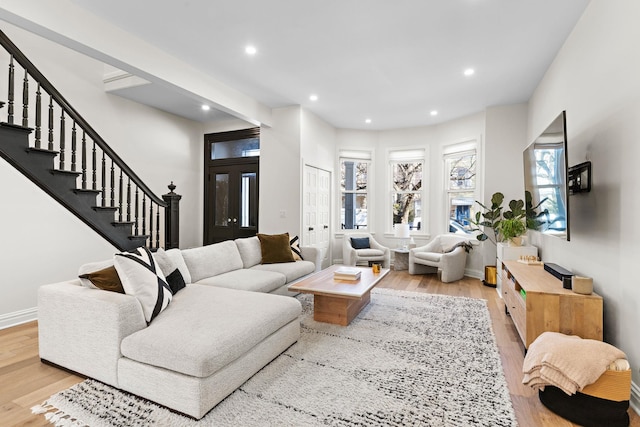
120	206
128	199
38	135
84	161
103	182
113	185
157	228
144	214
136	214
94	162
50	145
73	147
62	142
11	94
150	224
25	100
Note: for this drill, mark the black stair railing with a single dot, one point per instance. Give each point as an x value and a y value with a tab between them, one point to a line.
82	151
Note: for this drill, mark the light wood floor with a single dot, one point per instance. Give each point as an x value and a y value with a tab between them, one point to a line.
25	381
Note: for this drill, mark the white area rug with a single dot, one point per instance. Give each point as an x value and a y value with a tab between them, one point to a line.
407	359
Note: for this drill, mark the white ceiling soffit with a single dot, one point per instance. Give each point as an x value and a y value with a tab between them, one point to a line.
134	88
391	62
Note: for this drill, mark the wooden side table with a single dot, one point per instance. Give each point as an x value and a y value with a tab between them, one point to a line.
401	259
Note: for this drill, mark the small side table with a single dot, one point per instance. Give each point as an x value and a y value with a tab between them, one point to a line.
401	259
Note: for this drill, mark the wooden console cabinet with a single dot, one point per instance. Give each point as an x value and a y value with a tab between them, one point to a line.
537	303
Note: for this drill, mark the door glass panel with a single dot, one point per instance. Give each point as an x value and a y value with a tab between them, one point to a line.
248	147
248	191
221	214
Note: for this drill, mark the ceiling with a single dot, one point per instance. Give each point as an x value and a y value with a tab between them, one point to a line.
390	62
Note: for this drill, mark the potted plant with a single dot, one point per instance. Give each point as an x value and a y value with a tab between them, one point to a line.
513	223
506	225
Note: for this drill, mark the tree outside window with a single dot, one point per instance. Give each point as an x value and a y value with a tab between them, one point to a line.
407	193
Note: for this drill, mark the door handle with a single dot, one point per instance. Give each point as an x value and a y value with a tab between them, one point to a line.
235	220
326	226
310	228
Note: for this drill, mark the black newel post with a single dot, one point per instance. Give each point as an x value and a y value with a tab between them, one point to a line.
172	218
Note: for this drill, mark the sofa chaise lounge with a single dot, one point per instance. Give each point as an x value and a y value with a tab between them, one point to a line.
219	330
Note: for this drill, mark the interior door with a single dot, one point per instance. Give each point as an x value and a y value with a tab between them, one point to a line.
316	211
231	208
324	215
310	207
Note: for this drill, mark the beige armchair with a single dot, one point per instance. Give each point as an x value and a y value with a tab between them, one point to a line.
443	254
375	251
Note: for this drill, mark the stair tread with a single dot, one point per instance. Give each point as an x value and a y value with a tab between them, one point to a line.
43	151
66	172
105	208
122	223
16	126
86	190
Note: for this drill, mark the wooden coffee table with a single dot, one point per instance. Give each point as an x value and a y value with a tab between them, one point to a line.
339	301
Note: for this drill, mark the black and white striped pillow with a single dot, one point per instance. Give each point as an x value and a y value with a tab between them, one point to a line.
295	249
142	278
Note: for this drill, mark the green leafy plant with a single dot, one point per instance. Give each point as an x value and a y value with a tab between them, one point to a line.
490	218
535	219
505	224
513	223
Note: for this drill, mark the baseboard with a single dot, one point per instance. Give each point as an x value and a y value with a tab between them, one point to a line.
634	402
476	274
18	317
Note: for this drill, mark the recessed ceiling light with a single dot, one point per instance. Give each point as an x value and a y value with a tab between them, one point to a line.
434	113
367	121
250	50
205	108
313	97
469	72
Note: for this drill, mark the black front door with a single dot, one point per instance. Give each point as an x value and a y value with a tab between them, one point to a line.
231	200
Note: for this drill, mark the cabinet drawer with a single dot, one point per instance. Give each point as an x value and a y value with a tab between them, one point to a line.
516	306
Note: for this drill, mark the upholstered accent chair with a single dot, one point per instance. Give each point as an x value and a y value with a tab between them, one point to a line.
444	253
361	248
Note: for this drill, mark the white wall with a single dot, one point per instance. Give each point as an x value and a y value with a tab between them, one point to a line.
505	139
280	173
595	79
42	242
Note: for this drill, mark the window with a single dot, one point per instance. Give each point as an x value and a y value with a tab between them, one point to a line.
407	189
355	173
460	181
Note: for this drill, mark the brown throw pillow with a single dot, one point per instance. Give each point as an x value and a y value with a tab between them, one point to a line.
106	279
275	248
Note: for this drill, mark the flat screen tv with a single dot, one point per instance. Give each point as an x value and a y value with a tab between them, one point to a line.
545	179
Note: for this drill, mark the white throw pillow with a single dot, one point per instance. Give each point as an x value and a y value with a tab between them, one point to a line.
142	278
170	260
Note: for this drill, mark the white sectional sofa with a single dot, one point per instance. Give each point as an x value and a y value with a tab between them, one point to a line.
219	330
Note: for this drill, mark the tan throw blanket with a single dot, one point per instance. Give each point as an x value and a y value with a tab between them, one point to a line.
567	362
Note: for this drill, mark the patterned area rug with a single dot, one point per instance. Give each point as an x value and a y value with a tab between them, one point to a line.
407	359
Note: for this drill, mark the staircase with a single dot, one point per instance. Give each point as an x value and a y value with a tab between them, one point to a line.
75	165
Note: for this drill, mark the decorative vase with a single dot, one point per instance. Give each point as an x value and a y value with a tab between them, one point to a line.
515	241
